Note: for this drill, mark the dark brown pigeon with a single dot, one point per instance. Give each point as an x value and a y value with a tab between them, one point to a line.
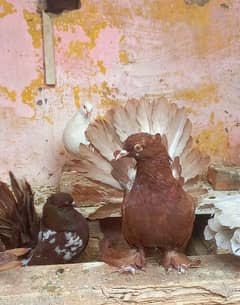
58	237
64	232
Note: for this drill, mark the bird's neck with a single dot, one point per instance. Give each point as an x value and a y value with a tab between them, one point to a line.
154	171
59	220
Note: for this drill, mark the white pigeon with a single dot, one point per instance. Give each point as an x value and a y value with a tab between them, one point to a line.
74	132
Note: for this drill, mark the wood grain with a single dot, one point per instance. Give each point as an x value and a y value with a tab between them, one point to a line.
216	282
48	47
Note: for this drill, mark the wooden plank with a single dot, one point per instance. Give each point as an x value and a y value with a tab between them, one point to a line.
48	47
216	282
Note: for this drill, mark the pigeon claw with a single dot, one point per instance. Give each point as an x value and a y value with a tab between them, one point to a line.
179	261
128	270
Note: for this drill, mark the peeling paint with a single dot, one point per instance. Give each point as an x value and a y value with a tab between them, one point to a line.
213	140
31	91
123	57
76	91
177	11
33	21
202	95
11	95
69	21
48	119
6	8
101	67
76	48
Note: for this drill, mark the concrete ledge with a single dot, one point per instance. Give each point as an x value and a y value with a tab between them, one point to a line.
216	282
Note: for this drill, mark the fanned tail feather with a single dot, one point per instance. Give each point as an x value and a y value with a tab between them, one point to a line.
19	222
103	137
145	115
96	167
175	132
162	116
122	119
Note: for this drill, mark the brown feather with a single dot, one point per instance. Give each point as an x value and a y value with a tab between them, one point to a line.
95	167
103	137
19	222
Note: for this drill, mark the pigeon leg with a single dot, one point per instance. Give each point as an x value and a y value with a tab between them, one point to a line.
134	263
179	261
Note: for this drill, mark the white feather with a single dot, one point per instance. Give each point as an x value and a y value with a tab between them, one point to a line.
225	224
214	224
223	239
208	233
235	242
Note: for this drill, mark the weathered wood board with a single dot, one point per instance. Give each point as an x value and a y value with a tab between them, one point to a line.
48	46
216	282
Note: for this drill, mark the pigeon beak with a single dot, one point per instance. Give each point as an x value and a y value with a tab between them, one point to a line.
120	154
88	114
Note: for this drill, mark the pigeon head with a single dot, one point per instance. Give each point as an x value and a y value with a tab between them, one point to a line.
61	200
86	109
59	213
141	146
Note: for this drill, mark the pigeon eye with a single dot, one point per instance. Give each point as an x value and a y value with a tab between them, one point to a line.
137	147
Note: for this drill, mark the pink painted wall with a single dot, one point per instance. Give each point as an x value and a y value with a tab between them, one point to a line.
108	51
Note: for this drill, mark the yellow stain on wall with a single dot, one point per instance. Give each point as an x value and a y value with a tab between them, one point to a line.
117	15
6	8
91	15
69	20
48	119
207	38
92	25
122	39
93	33
106	94
77	47
203	95
123	57
31	91
214	140
76	92
107	103
190	111
33	21
173	11
11	95
101	67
